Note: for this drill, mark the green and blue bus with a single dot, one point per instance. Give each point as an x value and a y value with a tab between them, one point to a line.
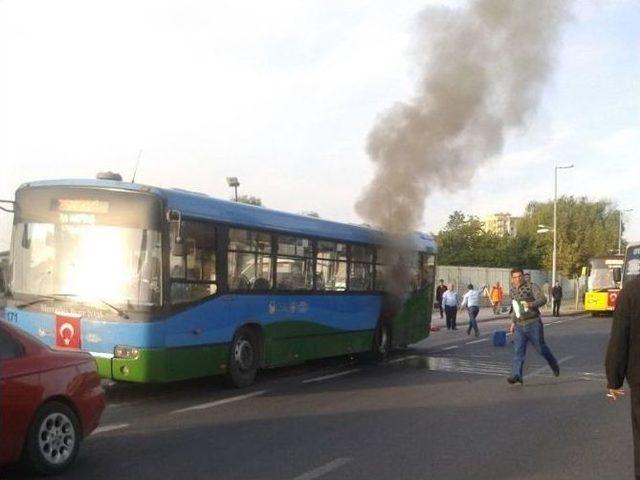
164	284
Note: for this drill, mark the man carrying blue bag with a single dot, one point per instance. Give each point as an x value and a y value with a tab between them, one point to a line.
526	325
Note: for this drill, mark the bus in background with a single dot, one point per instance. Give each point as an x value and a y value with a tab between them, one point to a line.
603	284
164	284
631	262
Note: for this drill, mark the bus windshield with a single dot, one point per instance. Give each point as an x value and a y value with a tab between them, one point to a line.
87	246
120	265
601	275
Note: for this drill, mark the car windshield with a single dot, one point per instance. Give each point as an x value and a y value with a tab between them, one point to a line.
116	264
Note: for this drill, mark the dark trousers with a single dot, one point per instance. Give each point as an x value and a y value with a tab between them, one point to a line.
556	307
440	307
451	313
473	322
635	423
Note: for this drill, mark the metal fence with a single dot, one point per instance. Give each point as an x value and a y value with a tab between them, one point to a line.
481	276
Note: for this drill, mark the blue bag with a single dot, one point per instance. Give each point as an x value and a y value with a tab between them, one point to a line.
499	338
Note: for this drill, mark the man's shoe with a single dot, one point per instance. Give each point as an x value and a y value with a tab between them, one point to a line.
556	371
514	379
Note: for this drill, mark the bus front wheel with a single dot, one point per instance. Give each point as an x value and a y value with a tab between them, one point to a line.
243	358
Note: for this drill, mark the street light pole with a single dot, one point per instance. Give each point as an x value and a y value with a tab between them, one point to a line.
620	229
555	222
233	182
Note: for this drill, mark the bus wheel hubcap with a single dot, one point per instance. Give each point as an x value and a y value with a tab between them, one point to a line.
243	354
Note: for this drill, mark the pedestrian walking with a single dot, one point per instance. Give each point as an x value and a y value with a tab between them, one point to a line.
556	295
496	296
451	301
471	301
526	325
439	291
623	357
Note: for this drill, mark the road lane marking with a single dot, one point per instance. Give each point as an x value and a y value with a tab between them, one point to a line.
477	341
450	348
109	428
334	375
543	369
402	359
320	471
224	401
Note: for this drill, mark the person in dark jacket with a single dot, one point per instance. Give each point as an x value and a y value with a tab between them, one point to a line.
526	325
439	291
623	357
556	295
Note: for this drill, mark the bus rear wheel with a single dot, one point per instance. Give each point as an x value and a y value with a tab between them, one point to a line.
243	358
382	340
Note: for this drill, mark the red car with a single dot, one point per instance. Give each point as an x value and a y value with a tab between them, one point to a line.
49	400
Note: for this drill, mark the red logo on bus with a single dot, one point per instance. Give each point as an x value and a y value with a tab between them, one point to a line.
613	297
67	331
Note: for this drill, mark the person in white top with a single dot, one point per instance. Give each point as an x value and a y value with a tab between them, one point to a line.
471	301
450	300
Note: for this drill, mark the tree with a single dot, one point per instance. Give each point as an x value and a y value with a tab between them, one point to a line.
464	242
251	200
585	229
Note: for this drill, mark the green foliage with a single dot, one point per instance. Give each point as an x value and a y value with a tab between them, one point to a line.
464	242
585	229
251	200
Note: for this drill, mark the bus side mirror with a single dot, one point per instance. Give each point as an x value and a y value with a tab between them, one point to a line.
26	237
617	274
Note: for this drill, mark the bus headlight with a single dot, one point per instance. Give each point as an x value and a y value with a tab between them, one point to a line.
129	353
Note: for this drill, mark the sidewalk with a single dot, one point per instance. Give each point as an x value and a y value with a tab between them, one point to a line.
486	315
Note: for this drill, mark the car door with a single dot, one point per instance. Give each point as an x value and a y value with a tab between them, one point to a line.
19	394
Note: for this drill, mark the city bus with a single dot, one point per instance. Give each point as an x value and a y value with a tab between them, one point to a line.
603	284
631	262
163	284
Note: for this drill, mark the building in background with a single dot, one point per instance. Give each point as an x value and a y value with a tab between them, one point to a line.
500	224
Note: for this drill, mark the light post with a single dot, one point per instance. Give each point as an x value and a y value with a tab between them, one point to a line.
555	221
620	229
233	182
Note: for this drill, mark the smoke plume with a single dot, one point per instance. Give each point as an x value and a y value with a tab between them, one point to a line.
483	70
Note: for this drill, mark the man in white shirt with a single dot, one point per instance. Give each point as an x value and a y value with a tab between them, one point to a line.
450	300
471	300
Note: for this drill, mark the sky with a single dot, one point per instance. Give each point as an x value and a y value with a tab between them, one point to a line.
283	95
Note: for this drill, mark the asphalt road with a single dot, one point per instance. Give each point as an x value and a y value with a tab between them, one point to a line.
439	410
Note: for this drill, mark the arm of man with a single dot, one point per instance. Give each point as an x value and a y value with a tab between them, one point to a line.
539	298
617	356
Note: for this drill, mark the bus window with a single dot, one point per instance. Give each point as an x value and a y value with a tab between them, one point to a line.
361	271
331	266
249	260
193	274
294	264
428	271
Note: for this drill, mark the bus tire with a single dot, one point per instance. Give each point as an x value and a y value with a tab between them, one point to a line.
244	358
382	340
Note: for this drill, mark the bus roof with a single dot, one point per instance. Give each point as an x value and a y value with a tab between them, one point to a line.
201	206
